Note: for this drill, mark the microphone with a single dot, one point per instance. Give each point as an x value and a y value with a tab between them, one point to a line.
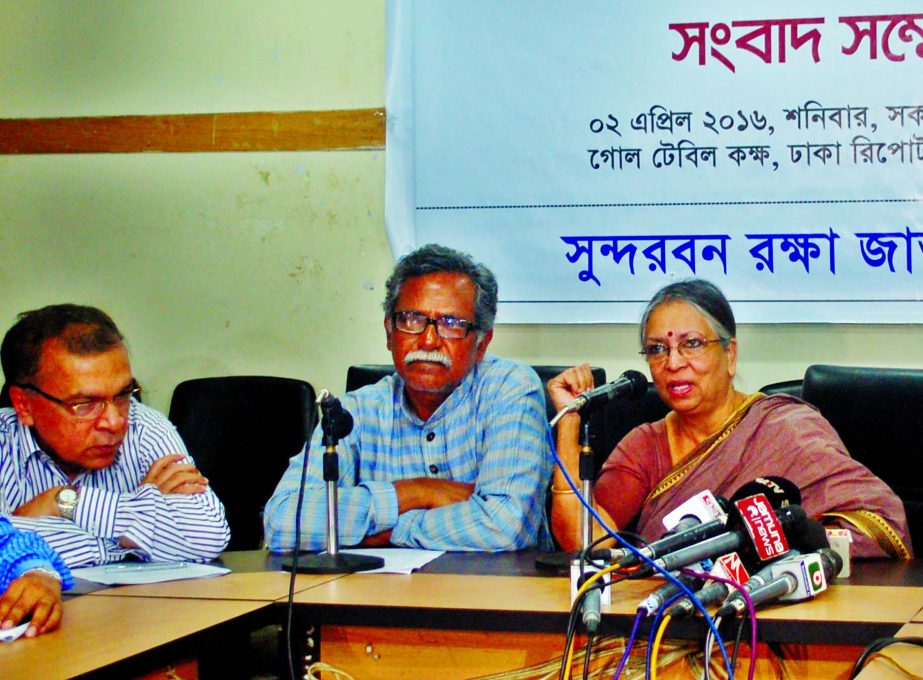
591	610
653	602
779	490
336	421
696	519
629	385
790	580
762	539
728	566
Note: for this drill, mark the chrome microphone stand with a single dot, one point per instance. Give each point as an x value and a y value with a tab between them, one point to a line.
336	423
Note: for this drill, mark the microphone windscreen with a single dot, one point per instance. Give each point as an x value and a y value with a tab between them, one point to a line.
638	383
808	536
778	490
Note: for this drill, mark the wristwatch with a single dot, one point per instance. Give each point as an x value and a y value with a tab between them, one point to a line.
67	497
48	571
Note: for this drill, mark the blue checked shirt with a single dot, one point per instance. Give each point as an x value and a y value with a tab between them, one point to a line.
490	432
112	506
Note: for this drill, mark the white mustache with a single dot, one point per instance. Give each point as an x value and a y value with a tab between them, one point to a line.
428	355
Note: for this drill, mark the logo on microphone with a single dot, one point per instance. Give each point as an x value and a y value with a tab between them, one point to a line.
763	526
816	577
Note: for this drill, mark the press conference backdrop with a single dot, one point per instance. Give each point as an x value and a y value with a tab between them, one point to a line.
592	152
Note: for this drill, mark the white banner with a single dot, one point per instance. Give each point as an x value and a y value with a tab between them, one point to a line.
591	152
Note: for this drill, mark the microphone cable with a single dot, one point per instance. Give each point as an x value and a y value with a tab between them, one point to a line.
290	602
595	515
876	646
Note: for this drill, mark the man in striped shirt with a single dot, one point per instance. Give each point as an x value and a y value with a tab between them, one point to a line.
96	473
449	453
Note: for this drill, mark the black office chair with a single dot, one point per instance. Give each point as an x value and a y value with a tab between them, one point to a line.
878	413
241	431
5	401
790	387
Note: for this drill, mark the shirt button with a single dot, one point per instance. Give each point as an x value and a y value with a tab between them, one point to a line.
434	468
430	436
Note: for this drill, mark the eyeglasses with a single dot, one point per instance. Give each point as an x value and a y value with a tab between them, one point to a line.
690	348
91	409
448	327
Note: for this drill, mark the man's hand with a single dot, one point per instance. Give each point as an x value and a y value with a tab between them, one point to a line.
380	540
425	493
32	593
43	505
170	475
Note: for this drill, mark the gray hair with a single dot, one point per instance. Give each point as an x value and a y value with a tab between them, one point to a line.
434	258
705	297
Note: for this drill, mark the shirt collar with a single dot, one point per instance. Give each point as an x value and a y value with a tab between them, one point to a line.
457	396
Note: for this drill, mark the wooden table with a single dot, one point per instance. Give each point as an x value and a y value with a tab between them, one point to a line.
461	616
119	634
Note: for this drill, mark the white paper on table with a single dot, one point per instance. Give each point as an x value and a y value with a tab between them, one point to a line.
12	633
397	560
134	573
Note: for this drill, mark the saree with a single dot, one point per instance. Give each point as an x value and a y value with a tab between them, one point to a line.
774	435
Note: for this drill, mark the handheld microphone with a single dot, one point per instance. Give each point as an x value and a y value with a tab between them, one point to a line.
779	490
696	519
762	539
728	566
629	385
591	609
790	580
653	602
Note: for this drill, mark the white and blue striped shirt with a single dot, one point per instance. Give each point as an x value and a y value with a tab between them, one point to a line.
490	431
112	506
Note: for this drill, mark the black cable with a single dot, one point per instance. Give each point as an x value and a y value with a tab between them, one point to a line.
876	646
571	631
587	655
290	603
737	638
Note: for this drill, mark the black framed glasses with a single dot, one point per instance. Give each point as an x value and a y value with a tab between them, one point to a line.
448	327
90	409
690	348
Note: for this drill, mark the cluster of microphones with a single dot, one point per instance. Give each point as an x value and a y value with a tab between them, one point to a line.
761	539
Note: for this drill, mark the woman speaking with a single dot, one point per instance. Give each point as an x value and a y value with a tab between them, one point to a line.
716	438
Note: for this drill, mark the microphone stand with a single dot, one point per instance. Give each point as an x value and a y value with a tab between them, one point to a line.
560	561
587	478
336	423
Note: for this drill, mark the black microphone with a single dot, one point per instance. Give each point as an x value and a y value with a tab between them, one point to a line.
778	490
629	385
791	580
763	538
336	421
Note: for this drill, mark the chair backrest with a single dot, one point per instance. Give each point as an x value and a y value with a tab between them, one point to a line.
5	401
789	387
878	413
622	416
241	431
360	375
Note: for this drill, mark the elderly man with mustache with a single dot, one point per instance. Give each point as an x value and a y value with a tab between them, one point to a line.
448	453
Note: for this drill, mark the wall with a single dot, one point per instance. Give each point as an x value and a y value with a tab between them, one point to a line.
266	263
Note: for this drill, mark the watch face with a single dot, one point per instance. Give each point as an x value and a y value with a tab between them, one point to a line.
67	495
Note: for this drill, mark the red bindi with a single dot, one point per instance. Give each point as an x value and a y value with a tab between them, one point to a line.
670	334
